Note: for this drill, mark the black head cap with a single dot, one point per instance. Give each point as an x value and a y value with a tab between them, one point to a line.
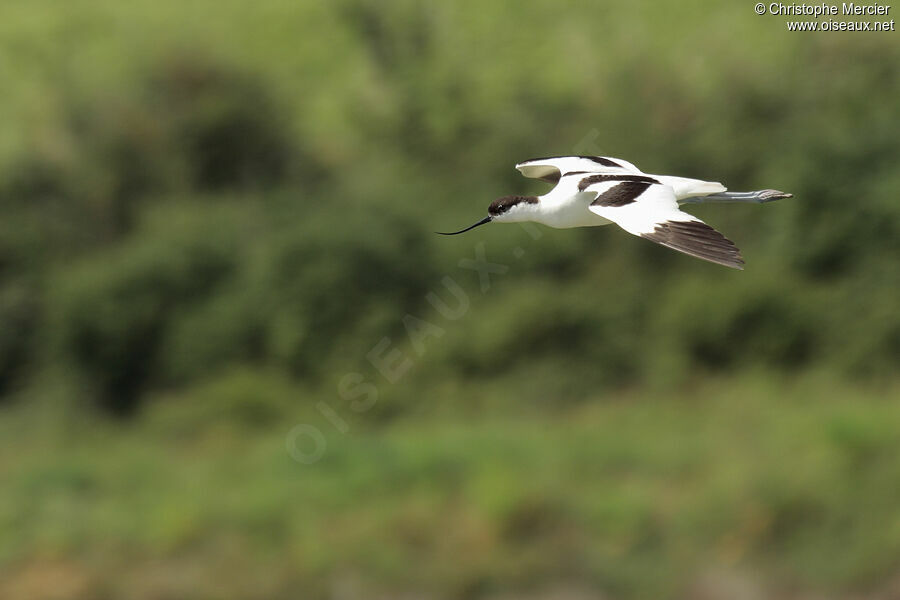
502	205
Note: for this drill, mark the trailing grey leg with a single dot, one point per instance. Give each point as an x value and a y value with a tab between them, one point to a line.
757	197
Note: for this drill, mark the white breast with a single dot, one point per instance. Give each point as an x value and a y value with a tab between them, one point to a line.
563	211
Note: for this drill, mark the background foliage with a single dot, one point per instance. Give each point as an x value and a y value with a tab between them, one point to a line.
211	213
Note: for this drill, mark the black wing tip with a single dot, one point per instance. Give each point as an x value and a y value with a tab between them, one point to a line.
699	240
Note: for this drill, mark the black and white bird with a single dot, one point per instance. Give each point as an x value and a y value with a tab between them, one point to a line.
598	190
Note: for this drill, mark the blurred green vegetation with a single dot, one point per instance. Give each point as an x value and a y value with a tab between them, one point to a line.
211	213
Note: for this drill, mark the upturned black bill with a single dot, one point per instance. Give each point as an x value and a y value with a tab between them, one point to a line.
481	222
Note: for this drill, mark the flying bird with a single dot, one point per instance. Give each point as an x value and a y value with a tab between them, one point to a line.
598	190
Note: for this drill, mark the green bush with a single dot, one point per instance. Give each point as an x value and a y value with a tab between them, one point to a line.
111	313
18	319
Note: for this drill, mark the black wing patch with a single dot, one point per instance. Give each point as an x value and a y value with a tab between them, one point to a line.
592	179
621	194
697	239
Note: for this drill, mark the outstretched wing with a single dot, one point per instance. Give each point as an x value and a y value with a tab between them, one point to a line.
642	206
551	168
